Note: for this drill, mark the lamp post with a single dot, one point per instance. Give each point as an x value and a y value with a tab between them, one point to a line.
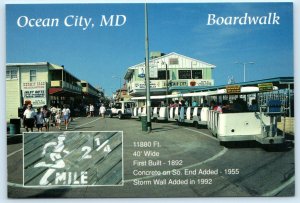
148	101
244	65
120	84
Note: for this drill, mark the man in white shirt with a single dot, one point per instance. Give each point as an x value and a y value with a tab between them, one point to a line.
92	109
28	116
102	111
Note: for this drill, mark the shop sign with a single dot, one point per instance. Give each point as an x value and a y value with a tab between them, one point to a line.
141	85
233	89
265	87
35	92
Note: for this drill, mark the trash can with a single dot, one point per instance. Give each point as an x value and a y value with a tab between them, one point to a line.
14	126
144	122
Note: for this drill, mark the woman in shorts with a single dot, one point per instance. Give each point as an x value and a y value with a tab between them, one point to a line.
66	115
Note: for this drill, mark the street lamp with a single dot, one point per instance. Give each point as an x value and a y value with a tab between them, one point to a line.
120	83
244	65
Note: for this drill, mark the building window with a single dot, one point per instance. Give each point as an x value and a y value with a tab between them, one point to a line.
173	61
161	75
12	74
197	74
188	74
32	75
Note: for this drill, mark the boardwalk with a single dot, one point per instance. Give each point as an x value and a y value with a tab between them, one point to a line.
182	150
73	158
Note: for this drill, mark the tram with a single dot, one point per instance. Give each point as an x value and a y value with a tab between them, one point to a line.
238	121
232	113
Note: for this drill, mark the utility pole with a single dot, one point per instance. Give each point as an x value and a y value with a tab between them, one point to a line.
148	101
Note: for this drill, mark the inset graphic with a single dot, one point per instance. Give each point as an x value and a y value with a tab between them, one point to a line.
73	158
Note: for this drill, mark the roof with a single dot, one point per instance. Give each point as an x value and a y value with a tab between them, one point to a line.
28	64
131	69
276	81
51	65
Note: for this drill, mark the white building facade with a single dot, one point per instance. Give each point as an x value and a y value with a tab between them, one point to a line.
168	71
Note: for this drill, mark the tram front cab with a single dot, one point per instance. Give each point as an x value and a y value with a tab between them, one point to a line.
245	126
236	126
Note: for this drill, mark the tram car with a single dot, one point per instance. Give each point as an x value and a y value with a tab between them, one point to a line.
234	112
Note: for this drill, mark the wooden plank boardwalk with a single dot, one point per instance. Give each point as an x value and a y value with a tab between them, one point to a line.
73	158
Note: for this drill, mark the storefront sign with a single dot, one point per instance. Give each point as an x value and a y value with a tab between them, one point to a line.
173	83
265	87
141	85
35	92
233	89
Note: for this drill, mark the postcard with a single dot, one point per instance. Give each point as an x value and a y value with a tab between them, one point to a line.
150	100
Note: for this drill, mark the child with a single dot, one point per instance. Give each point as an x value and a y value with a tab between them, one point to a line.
58	119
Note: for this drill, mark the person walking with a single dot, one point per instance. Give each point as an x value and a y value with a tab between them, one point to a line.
58	119
29	118
102	111
92	109
46	114
53	110
66	115
39	119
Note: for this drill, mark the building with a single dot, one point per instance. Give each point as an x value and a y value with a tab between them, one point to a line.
167	72
90	94
40	84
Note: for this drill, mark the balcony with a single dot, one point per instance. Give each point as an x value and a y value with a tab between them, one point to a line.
66	86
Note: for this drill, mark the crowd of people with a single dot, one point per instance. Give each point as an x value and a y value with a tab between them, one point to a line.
44	117
90	110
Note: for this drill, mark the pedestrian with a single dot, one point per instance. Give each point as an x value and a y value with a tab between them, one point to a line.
29	118
39	119
181	113
58	119
53	110
102	111
87	110
92	109
46	114
66	115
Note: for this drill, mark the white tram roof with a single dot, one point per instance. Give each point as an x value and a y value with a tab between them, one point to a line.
204	93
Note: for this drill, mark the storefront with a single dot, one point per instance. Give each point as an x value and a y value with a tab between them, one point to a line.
41	84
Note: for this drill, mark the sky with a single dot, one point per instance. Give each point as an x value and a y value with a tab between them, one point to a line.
101	55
